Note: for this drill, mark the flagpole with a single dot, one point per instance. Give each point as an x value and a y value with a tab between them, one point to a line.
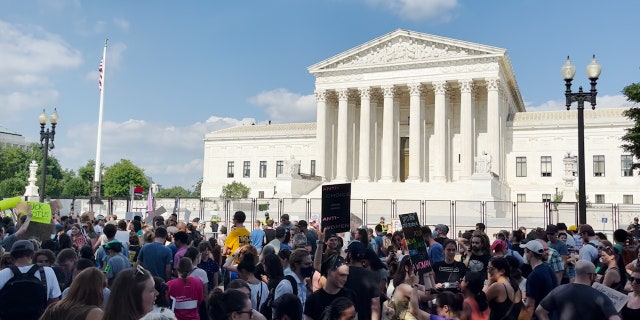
95	194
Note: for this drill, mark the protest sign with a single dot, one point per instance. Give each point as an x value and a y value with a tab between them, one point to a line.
41	212
619	299
415	243
9	203
336	207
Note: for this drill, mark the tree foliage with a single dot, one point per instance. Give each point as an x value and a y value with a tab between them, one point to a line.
197	189
77	187
173	192
631	140
120	176
12	187
235	190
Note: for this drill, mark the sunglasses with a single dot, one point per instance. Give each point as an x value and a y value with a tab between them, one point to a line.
636	280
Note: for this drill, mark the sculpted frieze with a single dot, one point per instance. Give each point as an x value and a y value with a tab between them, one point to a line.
404	49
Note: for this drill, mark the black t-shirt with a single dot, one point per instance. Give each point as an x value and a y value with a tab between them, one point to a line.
270	234
449	272
364	283
319	300
578	301
479	263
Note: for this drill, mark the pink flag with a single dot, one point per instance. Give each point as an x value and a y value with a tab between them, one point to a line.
151	202
101	73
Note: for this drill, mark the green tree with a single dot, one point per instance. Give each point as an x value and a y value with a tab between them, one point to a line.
120	176
631	140
12	187
76	187
197	189
173	192
235	190
87	172
15	164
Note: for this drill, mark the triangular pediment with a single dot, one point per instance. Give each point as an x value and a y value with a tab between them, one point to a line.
403	46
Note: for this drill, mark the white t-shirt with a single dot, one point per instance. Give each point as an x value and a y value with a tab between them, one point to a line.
200	274
53	288
264	294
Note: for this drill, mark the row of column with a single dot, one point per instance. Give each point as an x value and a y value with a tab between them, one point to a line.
390	139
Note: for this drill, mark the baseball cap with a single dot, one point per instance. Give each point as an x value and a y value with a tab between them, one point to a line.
357	250
443	228
22	245
498	245
99	217
114	245
534	246
572	228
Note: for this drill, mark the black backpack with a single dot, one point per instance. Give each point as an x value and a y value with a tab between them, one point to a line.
24	296
266	308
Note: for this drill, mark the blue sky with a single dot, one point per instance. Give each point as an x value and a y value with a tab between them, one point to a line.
178	69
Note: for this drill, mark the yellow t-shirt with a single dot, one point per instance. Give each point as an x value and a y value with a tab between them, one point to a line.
237	238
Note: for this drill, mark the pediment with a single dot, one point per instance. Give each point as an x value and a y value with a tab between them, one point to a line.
401	47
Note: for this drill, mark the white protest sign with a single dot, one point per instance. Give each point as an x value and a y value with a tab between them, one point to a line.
619	299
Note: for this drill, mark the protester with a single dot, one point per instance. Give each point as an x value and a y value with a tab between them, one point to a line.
133	295
541	280
503	296
334	288
475	305
156	257
631	309
187	290
84	300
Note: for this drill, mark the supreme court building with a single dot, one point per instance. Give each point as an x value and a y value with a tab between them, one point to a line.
410	115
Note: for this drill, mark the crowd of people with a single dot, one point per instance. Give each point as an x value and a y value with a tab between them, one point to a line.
105	268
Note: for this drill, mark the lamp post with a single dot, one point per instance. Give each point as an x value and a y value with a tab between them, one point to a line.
46	143
593	72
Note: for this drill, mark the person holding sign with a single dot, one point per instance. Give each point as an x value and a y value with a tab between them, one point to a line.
578	300
21	234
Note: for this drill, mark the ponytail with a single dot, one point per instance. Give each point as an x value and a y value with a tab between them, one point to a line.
184	268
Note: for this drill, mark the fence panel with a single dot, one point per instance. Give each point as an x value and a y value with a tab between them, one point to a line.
376	208
466	214
438	212
625	215
597	214
499	216
530	215
295	208
408	206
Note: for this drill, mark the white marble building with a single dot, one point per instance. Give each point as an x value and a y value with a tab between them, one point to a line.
416	116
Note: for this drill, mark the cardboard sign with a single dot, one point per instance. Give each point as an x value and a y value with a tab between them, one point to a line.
41	212
336	207
619	299
415	243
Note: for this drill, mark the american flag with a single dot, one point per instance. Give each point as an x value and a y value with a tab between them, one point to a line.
101	72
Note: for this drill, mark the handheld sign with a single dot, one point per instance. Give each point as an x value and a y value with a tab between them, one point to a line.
415	243
9	203
619	299
336	207
41	212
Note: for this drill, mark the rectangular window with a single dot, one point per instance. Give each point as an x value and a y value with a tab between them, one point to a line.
521	166
246	169
545	166
313	168
627	199
598	166
263	169
261	194
230	169
279	167
599	198
626	161
546	197
522	197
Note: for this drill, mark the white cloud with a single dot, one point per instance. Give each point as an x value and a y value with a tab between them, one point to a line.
28	55
419	9
171	155
121	24
115	53
617	101
283	106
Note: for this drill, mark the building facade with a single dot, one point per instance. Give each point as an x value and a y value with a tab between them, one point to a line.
415	116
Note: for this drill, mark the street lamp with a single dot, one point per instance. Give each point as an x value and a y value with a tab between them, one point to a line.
46	136
593	72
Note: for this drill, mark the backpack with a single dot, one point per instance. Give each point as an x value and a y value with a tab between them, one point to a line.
266	309
24	296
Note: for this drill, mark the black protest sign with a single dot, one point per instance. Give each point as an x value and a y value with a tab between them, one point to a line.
336	207
415	243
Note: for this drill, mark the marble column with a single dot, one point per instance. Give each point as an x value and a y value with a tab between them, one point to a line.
343	135
440	131
415	133
466	129
321	136
388	133
493	122
366	126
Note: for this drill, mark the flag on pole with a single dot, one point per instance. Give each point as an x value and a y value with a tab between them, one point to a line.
151	202
101	70
176	205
